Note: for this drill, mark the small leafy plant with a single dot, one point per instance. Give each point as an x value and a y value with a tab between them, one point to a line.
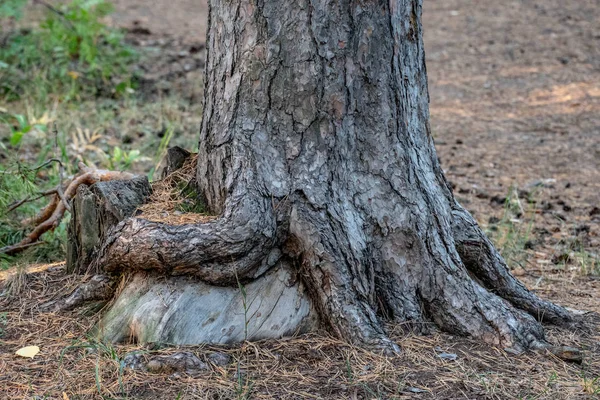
71	54
122	160
512	233
19	125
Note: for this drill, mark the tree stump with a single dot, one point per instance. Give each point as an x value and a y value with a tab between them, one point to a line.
96	209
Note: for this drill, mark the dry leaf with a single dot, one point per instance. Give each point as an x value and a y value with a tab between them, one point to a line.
65	397
29	351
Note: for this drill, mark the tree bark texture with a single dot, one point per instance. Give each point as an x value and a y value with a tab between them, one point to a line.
316	152
94	211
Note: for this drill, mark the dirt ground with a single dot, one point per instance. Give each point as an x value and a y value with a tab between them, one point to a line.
515	112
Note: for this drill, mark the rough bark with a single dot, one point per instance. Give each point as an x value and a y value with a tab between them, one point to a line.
316	153
175	158
95	210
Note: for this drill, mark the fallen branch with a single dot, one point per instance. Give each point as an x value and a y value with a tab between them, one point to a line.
29	199
16	248
51	215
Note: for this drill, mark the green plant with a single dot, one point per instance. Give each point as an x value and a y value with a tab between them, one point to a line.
72	54
588	263
162	150
121	159
3	323
244	384
102	350
19	125
512	233
191	199
591	385
20	186
12	8
349	370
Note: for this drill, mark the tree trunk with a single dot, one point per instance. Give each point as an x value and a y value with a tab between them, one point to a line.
317	156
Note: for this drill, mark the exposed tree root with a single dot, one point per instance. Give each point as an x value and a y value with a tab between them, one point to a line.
481	259
234	247
98	287
460	289
49	217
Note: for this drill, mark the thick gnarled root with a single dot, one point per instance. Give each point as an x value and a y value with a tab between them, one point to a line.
420	285
233	248
481	258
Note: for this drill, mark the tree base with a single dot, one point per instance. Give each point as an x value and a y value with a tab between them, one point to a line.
177	310
268	270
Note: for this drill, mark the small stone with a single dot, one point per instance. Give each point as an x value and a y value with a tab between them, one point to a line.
519	271
178	362
567	353
493	220
500	200
448	356
545	183
133	361
219	359
563	60
513	351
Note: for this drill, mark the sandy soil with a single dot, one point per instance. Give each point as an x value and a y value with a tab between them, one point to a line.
515	98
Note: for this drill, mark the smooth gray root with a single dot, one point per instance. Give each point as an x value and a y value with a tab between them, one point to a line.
184	310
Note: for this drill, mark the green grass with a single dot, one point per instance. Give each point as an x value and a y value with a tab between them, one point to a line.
66	93
17	183
71	54
3	323
514	230
513	236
